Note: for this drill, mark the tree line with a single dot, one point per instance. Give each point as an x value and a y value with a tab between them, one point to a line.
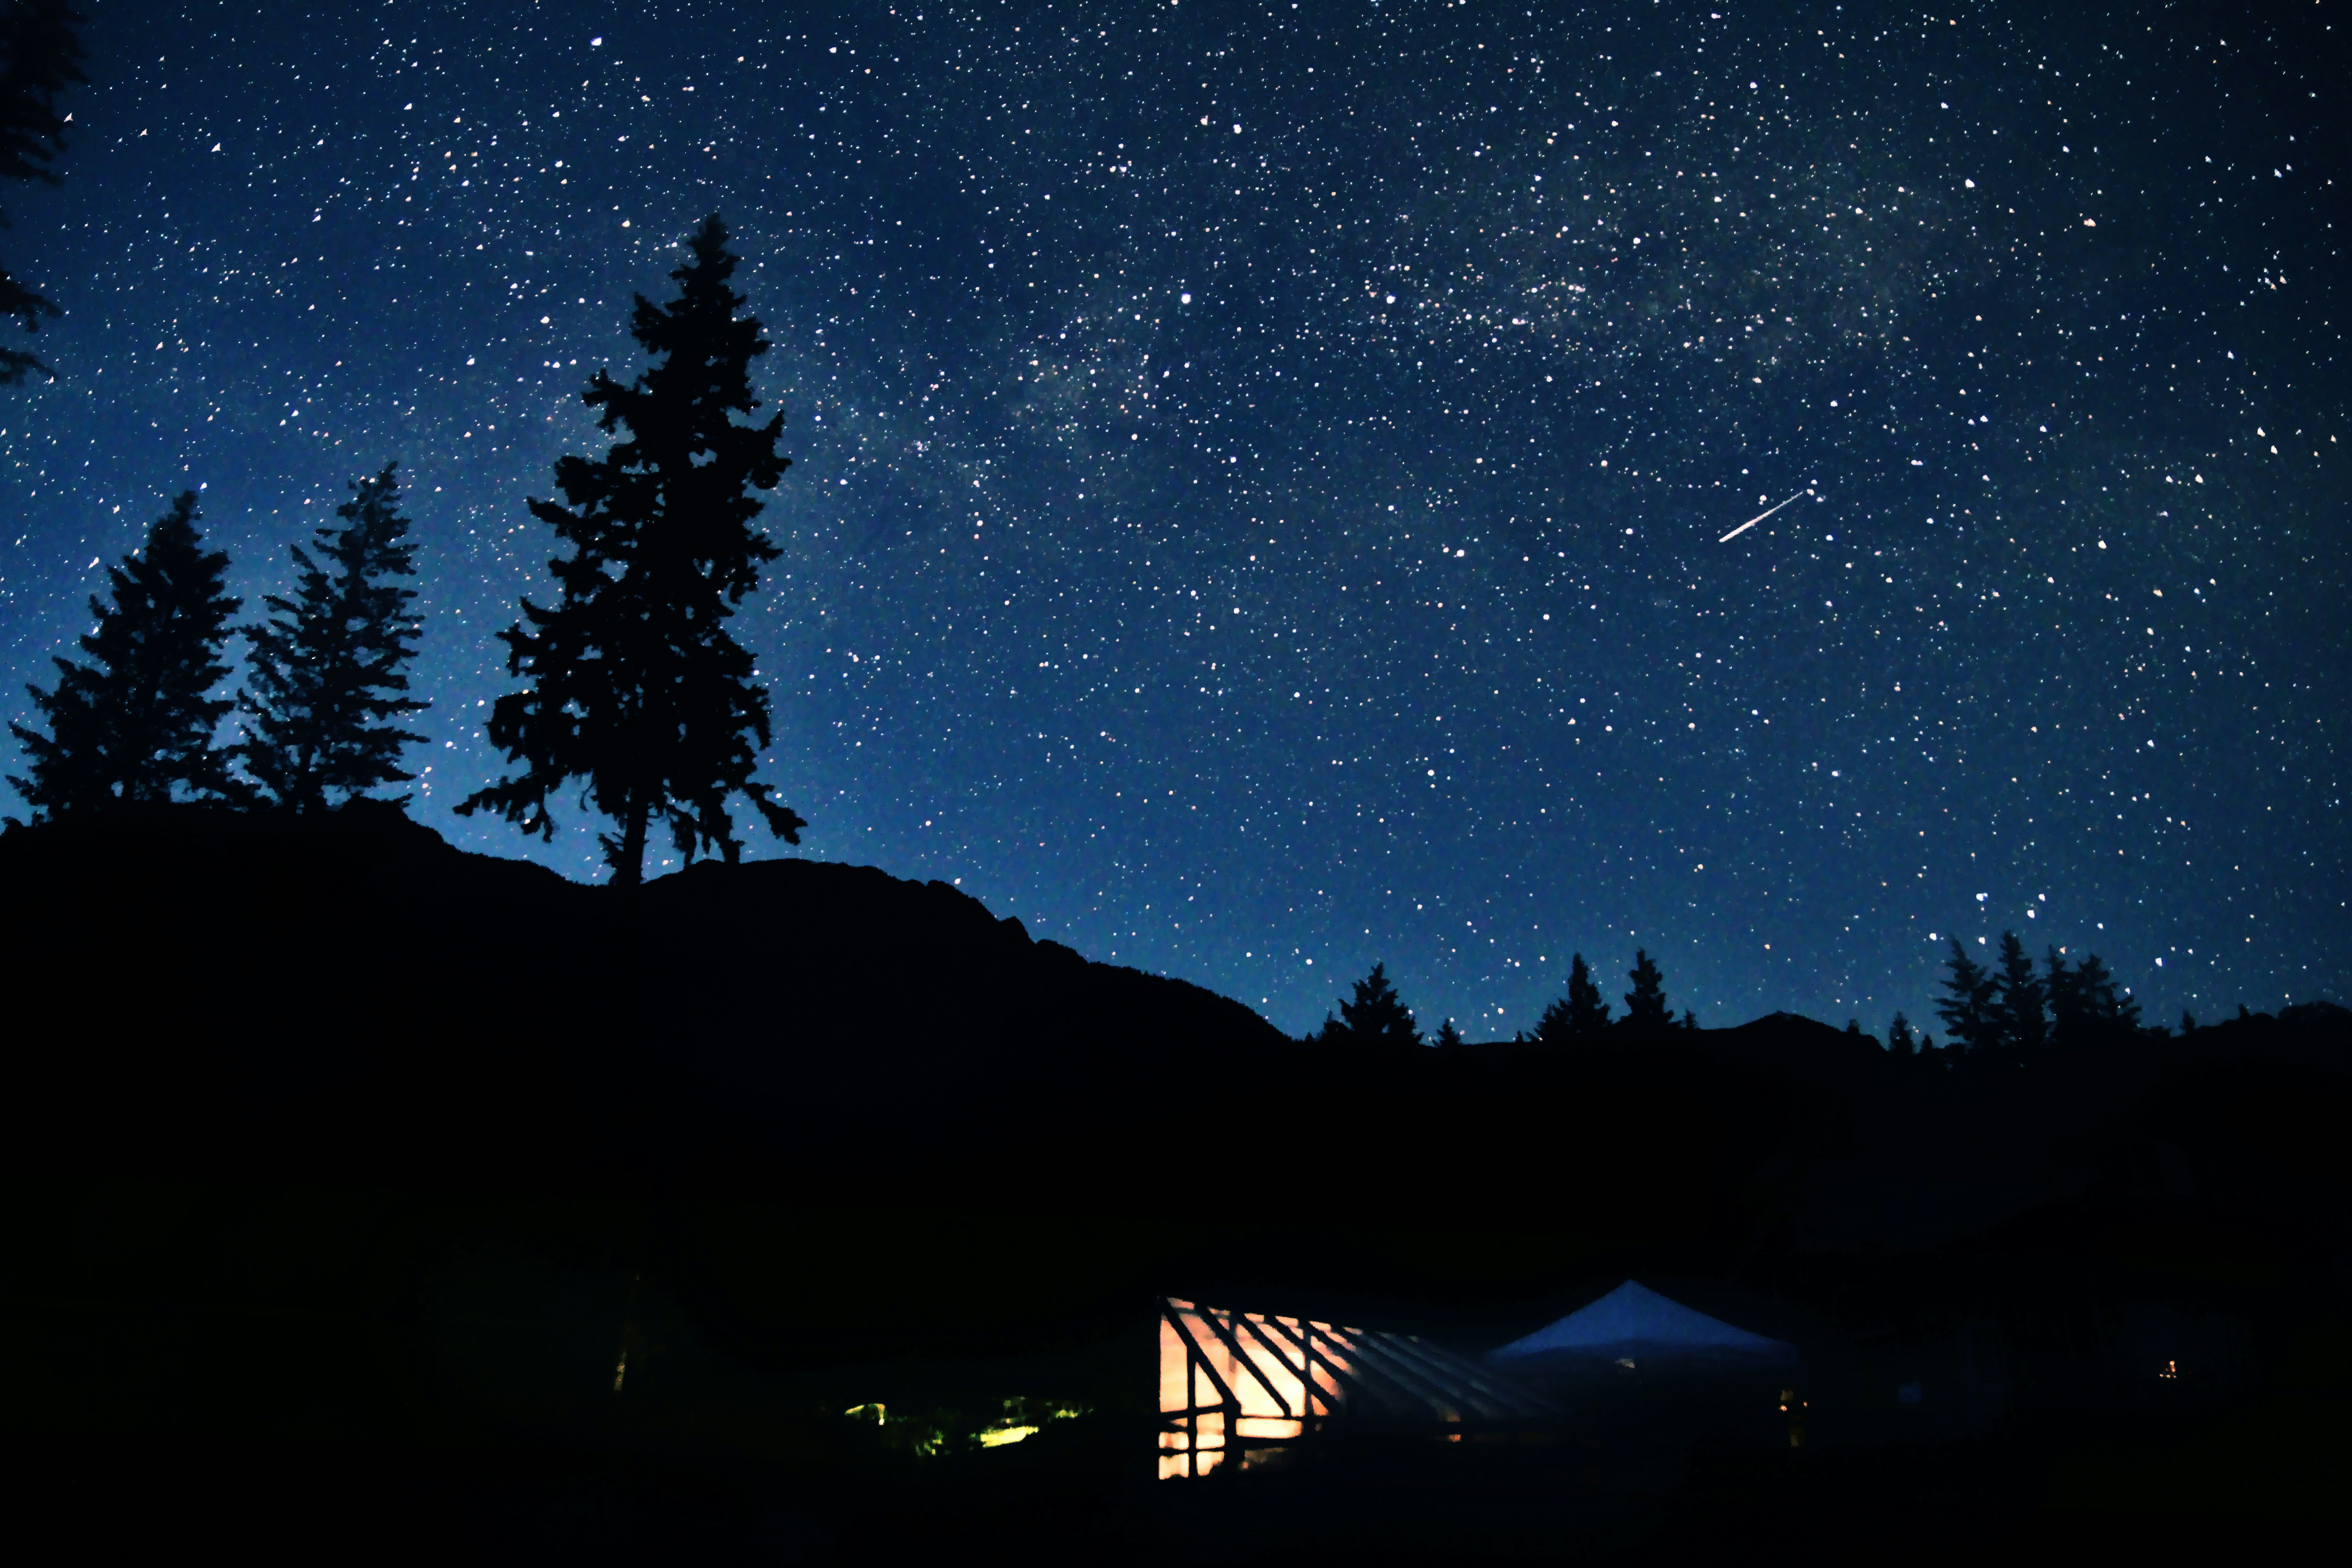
138	723
632	684
1375	1015
2013	1011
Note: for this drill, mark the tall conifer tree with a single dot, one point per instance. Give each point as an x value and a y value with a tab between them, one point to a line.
635	683
1375	1016
1588	1015
39	58
2019	1000
1966	1008
1578	1018
327	667
137	725
1646	1004
2085	1002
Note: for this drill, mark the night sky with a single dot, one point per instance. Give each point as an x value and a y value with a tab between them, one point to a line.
1262	472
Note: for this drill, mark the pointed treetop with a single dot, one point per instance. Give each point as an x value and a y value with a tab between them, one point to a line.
1966	1008
136	723
635	683
1376	1014
328	675
1646	1004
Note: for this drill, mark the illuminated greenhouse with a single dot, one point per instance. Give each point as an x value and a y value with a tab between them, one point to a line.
1251	1385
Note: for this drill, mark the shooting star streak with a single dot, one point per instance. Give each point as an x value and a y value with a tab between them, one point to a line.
1756	518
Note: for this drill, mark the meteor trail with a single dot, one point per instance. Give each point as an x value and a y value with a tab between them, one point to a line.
1756	518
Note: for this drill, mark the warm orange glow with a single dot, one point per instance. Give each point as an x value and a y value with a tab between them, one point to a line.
1267	1374
1173	1393
1268	1377
1228	1380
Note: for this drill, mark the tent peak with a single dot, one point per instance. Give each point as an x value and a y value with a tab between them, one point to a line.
1635	1319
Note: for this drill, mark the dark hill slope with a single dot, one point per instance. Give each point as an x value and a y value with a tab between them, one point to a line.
803	1070
352	994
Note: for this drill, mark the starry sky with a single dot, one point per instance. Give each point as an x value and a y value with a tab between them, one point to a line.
1265	475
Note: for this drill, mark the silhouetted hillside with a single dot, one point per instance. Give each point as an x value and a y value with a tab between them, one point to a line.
344	997
320	1125
348	988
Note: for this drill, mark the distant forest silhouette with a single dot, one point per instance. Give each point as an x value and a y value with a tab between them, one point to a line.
2012	1015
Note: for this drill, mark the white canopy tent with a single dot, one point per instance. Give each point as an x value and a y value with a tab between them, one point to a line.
1633	1323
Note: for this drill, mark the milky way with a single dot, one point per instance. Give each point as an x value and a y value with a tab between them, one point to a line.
1261	472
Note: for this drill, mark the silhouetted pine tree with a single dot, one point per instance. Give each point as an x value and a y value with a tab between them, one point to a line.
1898	1036
1374	1016
2112	1011
1449	1038
1588	1015
635	684
1967	1008
136	724
40	58
2018	999
2059	987
1580	1017
2101	999
2086	1004
1646	1004
327	668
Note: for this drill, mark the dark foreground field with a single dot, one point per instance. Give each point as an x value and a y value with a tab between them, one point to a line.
349	1173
